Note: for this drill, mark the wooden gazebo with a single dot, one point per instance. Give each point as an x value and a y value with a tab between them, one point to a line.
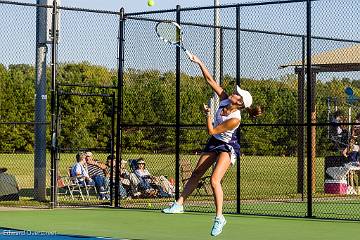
337	60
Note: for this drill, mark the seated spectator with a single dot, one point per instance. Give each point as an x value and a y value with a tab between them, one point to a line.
122	190
128	186
129	180
97	171
80	171
144	176
352	152
338	133
355	130
148	181
9	189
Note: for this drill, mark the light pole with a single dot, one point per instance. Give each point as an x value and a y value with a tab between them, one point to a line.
43	25
214	103
40	103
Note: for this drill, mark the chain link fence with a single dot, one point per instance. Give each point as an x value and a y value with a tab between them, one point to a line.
263	47
271	42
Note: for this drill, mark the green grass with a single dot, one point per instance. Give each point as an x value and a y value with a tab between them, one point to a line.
136	224
268	186
261	176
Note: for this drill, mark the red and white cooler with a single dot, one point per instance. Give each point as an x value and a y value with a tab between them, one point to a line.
335	186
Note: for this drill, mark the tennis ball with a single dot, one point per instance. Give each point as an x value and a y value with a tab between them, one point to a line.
151	3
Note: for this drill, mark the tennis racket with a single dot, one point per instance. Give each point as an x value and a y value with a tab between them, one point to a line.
171	32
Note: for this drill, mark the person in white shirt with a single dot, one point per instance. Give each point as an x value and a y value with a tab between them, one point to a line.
80	171
222	148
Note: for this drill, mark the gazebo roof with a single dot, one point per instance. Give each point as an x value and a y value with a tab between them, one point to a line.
337	60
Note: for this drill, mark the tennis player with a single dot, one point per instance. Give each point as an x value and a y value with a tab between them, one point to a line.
222	148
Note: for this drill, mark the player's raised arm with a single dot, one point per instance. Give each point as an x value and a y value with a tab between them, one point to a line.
208	77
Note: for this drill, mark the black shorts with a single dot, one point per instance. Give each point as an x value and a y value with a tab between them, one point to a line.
218	146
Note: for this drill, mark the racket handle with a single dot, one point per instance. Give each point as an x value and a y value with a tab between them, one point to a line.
189	54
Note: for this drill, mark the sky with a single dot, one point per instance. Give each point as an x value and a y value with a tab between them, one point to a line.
138	5
261	57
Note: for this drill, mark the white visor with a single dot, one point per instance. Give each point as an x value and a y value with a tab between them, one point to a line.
247	98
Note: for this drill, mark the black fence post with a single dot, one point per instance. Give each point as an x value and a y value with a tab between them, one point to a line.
112	148
309	97
177	129
119	105
54	165
238	192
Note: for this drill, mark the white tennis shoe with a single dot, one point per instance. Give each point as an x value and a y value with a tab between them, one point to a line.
174	208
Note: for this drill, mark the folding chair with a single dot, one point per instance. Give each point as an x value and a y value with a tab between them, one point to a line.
186	171
69	185
76	183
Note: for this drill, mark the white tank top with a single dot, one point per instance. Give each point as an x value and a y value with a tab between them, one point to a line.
218	119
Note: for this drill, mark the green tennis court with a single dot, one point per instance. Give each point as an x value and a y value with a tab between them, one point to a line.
141	224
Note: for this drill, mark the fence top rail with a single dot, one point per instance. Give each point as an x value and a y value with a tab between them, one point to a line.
89	10
259	3
247	30
60	7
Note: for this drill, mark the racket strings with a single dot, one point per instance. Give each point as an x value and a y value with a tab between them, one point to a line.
169	32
